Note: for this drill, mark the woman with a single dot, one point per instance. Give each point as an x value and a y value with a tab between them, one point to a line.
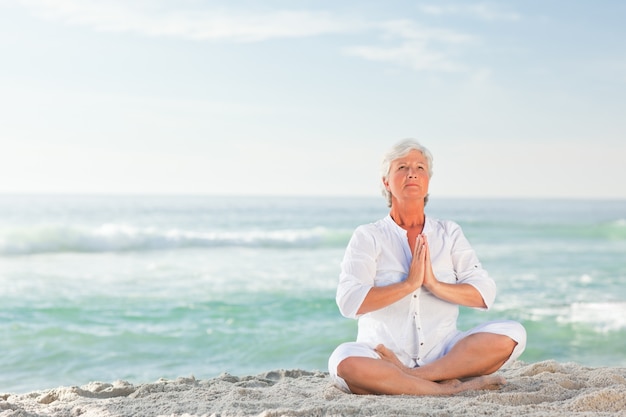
403	278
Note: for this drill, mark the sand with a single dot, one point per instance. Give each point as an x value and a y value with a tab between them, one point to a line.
545	388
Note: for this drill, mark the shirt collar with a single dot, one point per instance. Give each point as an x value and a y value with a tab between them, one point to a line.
427	225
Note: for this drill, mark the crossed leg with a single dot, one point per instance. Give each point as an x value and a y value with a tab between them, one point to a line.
474	357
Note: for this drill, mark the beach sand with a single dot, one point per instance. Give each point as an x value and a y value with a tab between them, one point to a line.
545	388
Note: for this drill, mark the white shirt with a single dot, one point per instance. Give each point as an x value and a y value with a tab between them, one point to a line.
417	326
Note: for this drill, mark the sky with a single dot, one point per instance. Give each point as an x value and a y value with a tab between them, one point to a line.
515	99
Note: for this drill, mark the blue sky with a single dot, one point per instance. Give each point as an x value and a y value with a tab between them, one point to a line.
514	98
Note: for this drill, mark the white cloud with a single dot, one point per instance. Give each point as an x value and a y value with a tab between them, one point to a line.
410	45
415	55
148	19
402	42
482	11
408	29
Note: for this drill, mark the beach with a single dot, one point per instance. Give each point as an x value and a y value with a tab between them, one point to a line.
546	388
151	290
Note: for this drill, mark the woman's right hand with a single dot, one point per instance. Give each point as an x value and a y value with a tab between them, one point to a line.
380	297
417	270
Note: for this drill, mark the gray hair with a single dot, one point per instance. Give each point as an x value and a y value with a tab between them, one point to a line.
399	150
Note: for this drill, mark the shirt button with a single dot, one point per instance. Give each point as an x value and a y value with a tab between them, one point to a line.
414	295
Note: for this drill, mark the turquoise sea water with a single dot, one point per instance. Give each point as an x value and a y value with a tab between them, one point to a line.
96	288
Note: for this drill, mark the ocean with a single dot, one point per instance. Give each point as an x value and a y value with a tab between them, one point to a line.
138	288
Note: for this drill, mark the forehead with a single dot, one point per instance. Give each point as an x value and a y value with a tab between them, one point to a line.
412	156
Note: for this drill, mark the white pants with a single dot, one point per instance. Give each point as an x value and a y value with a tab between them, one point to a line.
509	328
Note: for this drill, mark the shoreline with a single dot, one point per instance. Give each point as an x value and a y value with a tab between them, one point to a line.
546	388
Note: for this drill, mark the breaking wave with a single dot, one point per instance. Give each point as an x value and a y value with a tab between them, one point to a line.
121	237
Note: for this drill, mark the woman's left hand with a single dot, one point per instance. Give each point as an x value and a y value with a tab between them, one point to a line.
461	294
430	281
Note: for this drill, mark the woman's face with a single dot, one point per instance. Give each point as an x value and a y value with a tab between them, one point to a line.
408	177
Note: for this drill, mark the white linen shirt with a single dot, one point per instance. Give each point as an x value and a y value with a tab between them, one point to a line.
417	326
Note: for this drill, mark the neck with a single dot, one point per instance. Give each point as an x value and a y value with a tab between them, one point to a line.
408	216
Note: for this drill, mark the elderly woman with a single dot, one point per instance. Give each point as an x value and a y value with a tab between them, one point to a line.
404	278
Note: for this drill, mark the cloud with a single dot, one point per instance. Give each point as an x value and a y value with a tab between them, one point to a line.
410	45
147	18
400	42
410	30
412	54
481	10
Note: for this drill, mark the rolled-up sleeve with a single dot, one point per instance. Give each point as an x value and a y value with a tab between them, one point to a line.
467	266
358	270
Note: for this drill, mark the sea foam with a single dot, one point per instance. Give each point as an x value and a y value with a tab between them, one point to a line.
113	237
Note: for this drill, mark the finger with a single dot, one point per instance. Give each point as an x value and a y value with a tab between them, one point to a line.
418	244
426	247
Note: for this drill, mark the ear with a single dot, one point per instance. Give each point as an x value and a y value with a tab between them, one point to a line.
385	183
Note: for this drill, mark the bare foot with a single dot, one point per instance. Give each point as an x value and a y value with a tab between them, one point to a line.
485	382
452	382
388	355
